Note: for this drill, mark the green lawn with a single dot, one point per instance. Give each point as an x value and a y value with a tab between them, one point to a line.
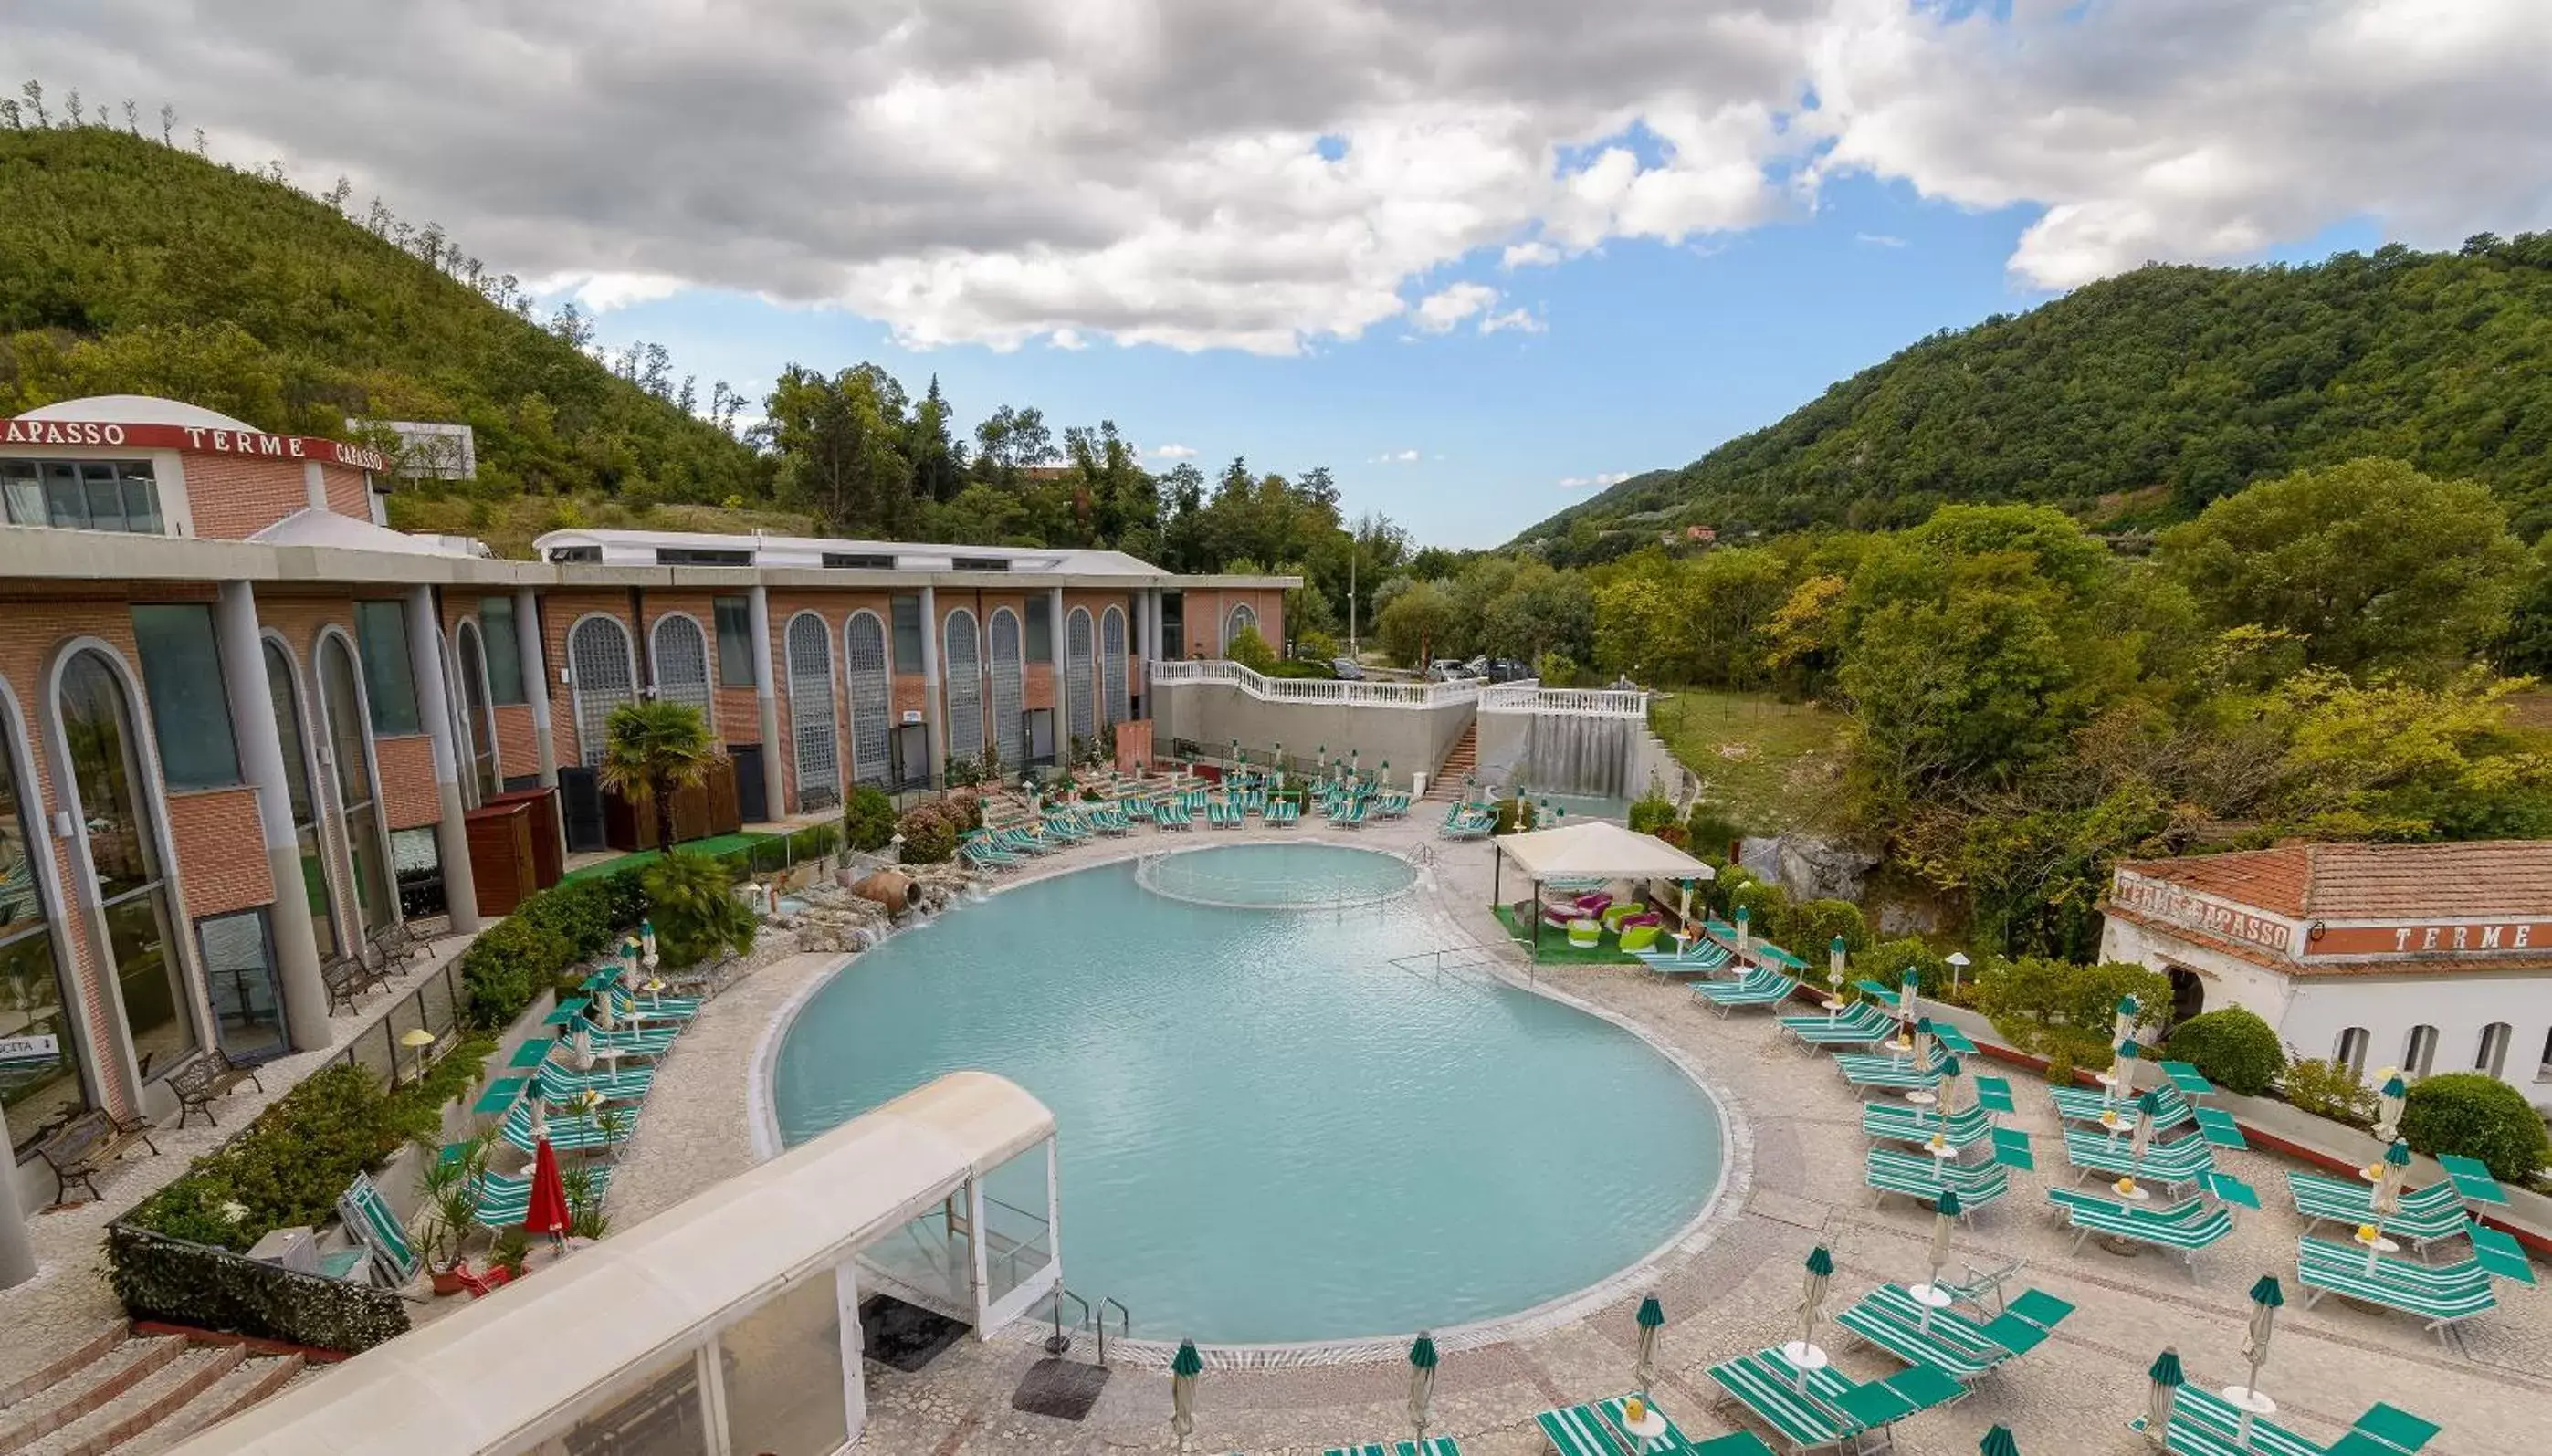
1556	948
1773	764
723	844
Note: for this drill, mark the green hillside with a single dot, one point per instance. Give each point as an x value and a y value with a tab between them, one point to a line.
128	266
2141	398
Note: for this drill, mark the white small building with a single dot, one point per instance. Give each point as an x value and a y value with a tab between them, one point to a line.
2426	957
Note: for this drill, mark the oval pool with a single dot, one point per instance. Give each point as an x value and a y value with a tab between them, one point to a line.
1267	1131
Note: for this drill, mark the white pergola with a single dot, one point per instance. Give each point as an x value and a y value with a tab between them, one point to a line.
1595	850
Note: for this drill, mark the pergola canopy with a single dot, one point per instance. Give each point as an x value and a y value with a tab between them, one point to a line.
1599	850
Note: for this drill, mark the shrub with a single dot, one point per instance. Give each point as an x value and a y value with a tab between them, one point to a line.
1673	834
1514	815
1650	812
868	820
2328	1089
928	837
511	963
2051	1006
964	810
1291	667
2476	1115
695	912
287	1168
1555	670
1763	902
1809	927
1317	646
2236	1050
1712	831
1251	651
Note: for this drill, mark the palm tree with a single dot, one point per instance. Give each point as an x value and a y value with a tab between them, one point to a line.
652	751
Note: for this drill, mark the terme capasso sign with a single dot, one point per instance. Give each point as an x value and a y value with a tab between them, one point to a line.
195	438
2163	900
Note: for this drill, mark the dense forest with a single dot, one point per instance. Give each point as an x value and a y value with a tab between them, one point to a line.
2138	400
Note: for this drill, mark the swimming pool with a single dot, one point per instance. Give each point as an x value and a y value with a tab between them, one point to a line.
1267	1131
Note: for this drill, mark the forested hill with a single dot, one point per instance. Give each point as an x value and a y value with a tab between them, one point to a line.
2141	398
127	266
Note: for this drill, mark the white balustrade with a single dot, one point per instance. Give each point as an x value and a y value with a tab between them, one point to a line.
1583	702
1319	689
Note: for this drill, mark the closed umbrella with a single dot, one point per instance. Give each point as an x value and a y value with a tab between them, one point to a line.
2147	1108
1834	957
2265	1297
1644	1370
1948	1097
1184	1370
2123	1030
1922	1039
2396	1171
1811	1303
2389	1103
1998	1442
547	1212
2166	1381
1908	1000
2122	1069
1422	1384
1944	1217
1742	939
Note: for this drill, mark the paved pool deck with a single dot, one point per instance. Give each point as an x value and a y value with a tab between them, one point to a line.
2489	1380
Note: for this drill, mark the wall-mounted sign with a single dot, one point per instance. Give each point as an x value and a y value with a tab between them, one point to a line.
30	1048
192	437
911	716
2165	900
2464	939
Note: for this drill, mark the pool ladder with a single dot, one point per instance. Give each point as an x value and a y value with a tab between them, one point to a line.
1092	1317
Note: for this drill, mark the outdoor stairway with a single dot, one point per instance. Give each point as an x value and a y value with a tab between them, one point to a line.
1446	786
131	1395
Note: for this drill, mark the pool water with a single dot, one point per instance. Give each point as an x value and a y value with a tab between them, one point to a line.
1277	875
1266	1131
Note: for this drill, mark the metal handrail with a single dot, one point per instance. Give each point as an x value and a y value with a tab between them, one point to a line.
1058	1342
1124	1324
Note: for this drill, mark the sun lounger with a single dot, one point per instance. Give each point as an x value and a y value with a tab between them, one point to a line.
1826	1408
558	1083
1889	1121
2440	1293
1888	1319
2172	1164
2204	1423
2085	1104
640	1010
1432	1447
371	1223
2186	1227
1860	1024
569	1133
2423	1215
1703	959
500	1200
1758	989
635	1041
1870	1073
1921	1176
1173	814
1595	1429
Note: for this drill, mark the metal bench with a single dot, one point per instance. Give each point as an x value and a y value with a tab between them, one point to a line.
394	945
347	978
210	1076
86	1146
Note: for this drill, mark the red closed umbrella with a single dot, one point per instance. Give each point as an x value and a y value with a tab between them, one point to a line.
548	1213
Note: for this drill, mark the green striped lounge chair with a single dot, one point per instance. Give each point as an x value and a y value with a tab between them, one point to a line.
1869	1073
619	1084
1432	1447
640	1041
1959	1345
1828	1408
2172	1164
2440	1293
1888	1121
1758	988
1700	959
1595	1429
644	1007
2204	1423
2423	1215
1284	813
2185	1228
1860	1024
569	1132
369	1218
1172	815
1921	1176
500	1200
2085	1104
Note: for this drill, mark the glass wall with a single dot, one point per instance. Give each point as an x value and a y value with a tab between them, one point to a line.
504	649
1018	1234
128	860
477	719
85	495
907	612
39	1080
354	774
181	671
416	861
238	973
734	616
390	674
305	809
782	1368
1041	627
661	1417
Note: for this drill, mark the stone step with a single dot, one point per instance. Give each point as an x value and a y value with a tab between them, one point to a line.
97	1347
168	1390
86	1388
251	1382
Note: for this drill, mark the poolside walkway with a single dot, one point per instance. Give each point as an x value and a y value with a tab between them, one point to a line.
2490	1383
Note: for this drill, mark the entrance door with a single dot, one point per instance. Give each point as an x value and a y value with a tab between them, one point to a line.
1040	727
580	810
751	800
910	744
2187	994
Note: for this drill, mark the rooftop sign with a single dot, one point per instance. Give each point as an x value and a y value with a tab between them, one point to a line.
2165	900
197	438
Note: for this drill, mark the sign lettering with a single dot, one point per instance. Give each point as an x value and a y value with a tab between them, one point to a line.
195	438
2469	938
2165	900
30	1048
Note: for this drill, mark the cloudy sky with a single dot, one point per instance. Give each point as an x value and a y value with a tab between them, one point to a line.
1478	256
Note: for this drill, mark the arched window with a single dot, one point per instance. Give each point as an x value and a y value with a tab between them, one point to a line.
606	676
872	695
2491	1056
1078	707
963	649
127	865
1112	664
681	653
478	718
811	712
1242	619
2351	1050
301	789
357	803
2419	1052
1009	698
43	1086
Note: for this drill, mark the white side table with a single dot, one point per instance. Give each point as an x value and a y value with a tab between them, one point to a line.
1805	1356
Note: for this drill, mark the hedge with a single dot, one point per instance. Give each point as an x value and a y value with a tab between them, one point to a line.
158	1277
2236	1050
549	936
2477	1116
868	820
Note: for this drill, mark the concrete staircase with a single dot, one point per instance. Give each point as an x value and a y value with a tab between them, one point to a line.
1446	786
131	1394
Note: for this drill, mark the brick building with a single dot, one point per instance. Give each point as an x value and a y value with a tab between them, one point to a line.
210	640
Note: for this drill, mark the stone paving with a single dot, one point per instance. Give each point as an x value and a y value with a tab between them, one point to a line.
2489	1382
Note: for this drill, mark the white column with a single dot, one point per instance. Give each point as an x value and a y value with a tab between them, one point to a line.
855	1389
1146	647
932	710
536	680
433	705
17	1251
766	704
252	706
1062	686
314	485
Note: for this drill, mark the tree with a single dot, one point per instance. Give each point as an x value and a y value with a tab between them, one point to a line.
839	442
1415	623
938	462
652	751
2371	564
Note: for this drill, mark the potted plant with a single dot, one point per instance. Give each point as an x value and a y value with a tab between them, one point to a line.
510	1248
447	1182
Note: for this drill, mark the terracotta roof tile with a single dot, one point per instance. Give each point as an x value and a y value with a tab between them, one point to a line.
2374	882
2447	965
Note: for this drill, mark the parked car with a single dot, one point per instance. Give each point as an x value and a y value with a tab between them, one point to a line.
1443	670
1347	669
1508	669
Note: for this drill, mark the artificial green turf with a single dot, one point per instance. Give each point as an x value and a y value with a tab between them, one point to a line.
1556	948
721	844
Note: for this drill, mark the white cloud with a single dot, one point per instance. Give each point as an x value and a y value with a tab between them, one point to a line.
604	292
1594	481
1396	458
1521	320
1174	452
1440	311
1878	240
999	172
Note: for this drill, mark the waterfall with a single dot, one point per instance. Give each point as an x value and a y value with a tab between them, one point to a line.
1569	753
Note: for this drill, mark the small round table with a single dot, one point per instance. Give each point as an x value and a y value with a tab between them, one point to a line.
1920	1098
1650	1426
2249	1401
1943	1151
2137	1195
1804	1356
2375	1248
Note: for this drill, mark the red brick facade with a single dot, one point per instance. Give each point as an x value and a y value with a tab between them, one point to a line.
408	795
233	499
220	851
